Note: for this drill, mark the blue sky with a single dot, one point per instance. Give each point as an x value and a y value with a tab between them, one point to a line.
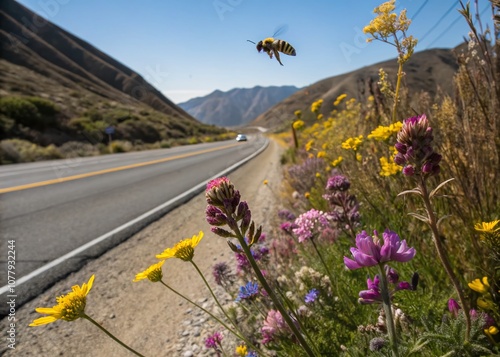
189	48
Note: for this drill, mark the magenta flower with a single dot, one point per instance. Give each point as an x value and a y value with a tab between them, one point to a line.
453	307
214	341
370	251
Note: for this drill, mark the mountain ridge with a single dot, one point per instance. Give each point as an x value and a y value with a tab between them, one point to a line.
236	106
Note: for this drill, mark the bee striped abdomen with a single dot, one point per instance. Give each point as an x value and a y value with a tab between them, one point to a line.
284	47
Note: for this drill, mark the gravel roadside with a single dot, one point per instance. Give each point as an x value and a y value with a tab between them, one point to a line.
146	316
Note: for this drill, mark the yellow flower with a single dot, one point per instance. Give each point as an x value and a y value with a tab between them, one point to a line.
266	182
316	106
307	195
241	350
352	143
321	154
339	99
183	250
383	133
298	113
320	116
388	168
482	287
153	273
309	145
69	307
298	124
492	330
359	157
336	162
318	175
486	303
487	227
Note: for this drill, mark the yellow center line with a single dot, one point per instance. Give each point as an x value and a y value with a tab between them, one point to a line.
106	171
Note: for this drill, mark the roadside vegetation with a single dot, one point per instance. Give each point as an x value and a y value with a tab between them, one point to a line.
388	240
35	128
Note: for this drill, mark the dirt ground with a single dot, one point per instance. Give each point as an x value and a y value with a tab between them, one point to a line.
146	316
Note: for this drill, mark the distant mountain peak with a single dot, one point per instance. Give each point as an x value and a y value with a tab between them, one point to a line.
236	106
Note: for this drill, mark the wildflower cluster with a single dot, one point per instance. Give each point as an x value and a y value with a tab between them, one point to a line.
325	281
388	24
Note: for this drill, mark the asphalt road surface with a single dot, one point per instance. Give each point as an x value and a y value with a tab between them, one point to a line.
51	208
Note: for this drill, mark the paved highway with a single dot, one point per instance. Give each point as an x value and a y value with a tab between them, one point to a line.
51	208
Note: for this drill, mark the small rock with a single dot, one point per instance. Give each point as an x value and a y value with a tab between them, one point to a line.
188	354
185	333
188	311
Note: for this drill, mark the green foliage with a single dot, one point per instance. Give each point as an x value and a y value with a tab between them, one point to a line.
32	112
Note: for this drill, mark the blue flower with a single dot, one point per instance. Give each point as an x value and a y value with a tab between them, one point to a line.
248	291
311	296
251	354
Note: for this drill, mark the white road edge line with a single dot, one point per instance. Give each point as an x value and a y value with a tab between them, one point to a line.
200	187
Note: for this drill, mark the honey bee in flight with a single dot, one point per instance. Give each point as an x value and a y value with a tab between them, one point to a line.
272	45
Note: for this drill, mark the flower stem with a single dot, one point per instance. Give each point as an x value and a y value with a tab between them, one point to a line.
396	92
432	222
202	309
321	258
220	307
110	335
277	303
386	303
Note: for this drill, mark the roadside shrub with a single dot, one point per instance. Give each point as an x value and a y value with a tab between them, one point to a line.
17	150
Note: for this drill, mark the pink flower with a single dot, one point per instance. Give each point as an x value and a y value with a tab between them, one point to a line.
274	325
310	223
369	251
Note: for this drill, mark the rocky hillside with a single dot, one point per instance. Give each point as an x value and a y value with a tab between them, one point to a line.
431	71
56	88
237	106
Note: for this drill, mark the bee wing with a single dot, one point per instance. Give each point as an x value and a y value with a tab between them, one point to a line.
280	30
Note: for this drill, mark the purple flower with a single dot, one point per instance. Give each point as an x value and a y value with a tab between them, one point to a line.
222	274
310	223
302	177
288	226
453	307
220	193
251	354
213	341
338	183
248	291
372	295
286	215
415	152
215	217
369	251
311	296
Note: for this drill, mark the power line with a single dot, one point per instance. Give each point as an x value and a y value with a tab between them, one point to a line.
451	25
438	21
446	30
419	9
